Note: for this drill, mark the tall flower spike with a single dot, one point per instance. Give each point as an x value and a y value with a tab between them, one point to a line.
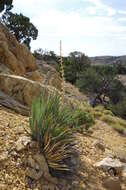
62	73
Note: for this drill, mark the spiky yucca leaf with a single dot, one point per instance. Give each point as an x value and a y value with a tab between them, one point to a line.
49	123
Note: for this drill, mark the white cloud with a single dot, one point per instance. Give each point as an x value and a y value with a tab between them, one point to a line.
99	6
92	10
90	33
58	23
122	19
122	12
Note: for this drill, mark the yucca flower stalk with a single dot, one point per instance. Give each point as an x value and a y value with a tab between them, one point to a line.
62	73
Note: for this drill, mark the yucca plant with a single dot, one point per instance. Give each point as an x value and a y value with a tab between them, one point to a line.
49	124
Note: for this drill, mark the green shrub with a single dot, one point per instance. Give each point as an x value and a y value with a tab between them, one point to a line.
49	126
81	117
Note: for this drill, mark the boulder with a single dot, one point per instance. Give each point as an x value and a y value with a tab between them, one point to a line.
109	163
16	57
22	89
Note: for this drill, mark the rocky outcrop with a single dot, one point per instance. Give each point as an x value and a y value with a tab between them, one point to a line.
36	76
9	102
16	57
22	89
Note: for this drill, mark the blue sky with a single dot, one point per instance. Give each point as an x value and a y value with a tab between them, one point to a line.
95	27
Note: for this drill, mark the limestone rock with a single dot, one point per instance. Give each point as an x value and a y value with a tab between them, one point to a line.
22	89
22	143
36	76
16	57
108	163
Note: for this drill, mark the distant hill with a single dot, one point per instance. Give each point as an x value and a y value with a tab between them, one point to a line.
108	60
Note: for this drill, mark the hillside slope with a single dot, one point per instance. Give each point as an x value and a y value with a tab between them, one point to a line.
108	60
14	157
